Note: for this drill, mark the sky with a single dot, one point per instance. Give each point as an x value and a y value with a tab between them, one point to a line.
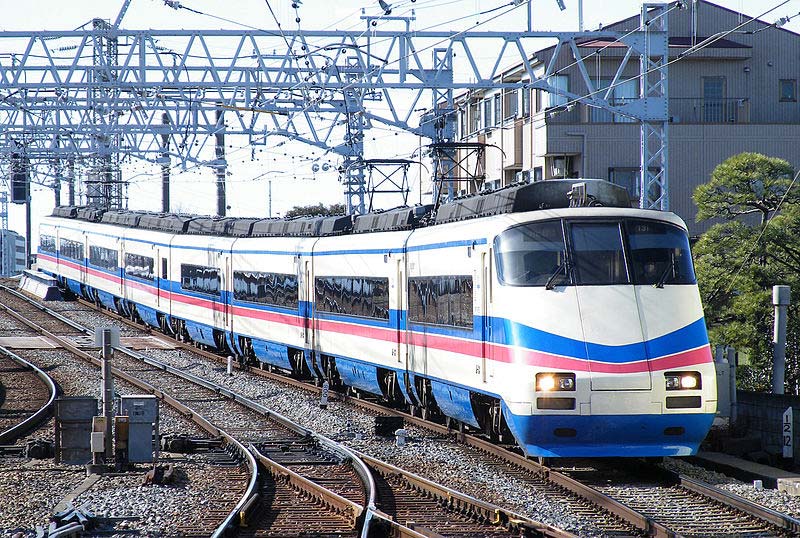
287	168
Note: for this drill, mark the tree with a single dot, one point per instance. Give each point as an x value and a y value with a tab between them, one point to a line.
743	184
315	210
738	261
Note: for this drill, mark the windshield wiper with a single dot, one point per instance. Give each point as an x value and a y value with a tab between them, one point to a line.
663	278
551	282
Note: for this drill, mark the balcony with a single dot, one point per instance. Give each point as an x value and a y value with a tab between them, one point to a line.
698	110
682	110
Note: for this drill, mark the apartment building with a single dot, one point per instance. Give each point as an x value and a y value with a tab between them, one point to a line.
738	93
12	253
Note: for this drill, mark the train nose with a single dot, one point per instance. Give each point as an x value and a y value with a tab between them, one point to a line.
615	348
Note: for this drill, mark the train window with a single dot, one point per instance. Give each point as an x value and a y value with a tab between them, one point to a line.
598	255
659	253
139	266
164	273
71	249
276	289
531	254
353	296
47	243
200	279
103	257
441	300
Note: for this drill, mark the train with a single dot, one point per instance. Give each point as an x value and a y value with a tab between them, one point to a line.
549	314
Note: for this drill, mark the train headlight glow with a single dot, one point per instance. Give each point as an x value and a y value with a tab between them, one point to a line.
555	381
688	382
682	380
545	382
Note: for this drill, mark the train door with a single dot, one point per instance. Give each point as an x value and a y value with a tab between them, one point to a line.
399	349
83	266
120	292
416	340
614	344
308	314
220	304
484	289
159	275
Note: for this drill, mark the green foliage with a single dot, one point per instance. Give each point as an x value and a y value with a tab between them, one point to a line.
738	263
315	210
745	183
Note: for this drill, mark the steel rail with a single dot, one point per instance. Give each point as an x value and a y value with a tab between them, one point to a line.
459	502
739	503
187	412
591	495
21	428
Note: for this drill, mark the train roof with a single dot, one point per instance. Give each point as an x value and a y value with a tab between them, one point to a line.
549	194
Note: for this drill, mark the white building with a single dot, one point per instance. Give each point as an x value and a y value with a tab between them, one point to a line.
12	253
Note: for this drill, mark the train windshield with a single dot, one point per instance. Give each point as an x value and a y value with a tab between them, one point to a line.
590	253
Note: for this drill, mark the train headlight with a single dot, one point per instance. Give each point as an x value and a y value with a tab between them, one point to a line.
555	381
688	382
682	380
545	382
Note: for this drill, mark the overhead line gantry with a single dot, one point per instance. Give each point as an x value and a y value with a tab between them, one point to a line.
105	93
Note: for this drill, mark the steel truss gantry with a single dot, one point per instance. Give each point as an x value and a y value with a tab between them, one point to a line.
105	93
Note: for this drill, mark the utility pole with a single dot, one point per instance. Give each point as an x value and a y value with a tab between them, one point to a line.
165	163
220	165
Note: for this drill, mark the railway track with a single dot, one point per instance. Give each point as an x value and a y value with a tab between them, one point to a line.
686	507
618	510
307	483
27	394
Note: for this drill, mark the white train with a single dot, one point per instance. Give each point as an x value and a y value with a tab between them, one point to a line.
578	330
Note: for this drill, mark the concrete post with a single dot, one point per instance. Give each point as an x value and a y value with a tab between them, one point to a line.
108	391
780	299
734	401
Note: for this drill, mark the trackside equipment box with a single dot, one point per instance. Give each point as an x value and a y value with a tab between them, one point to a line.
142	413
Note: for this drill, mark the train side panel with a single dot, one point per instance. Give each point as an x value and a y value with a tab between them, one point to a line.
268	300
357	305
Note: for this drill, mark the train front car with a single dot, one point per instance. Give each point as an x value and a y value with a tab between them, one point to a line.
599	308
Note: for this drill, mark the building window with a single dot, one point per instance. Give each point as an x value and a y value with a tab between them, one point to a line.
526	102
788	90
487	113
628	177
498	117
139	266
276	289
552	99
622	93
510	104
474	117
441	300
366	297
